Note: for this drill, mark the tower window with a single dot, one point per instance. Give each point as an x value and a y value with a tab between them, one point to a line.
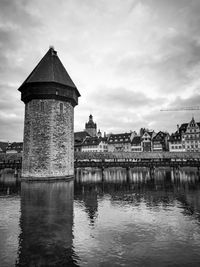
42	106
61	108
56	92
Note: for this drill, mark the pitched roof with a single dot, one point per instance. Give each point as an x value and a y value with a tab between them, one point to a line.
50	69
93	141
159	136
183	127
175	137
136	140
119	138
150	133
81	135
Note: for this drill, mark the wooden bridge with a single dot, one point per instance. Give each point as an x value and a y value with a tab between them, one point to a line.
118	159
141	159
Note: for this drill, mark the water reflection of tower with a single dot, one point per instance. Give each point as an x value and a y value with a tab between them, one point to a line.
91	203
88	194
46	225
86	190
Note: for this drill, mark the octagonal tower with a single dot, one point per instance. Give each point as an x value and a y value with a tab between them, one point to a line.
50	96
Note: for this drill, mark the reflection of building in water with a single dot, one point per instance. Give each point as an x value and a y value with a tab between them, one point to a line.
136	175
46	224
9	184
88	175
185	175
115	175
155	191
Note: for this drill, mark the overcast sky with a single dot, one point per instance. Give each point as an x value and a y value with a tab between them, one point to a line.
128	59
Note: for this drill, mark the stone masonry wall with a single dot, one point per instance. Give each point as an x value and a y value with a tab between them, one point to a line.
48	139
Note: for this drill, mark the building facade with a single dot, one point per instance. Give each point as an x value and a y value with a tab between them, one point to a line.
175	142
79	138
95	144
186	138
160	142
147	140
15	147
120	142
191	137
136	144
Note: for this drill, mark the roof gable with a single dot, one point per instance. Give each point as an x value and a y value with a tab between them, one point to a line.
159	136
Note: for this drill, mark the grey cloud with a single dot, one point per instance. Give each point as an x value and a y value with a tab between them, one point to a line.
169	119
122	97
192	101
11	130
121	110
18	13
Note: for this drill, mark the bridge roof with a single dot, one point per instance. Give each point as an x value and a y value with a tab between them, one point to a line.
136	155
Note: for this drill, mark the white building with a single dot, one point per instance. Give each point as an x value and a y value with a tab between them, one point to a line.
95	144
175	143
191	137
120	142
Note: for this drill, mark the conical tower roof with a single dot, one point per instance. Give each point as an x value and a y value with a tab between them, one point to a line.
48	71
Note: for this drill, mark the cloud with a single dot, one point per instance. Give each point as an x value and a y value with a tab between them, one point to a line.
11	114
123	98
127	58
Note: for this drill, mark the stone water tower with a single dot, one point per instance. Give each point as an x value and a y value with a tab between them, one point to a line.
50	96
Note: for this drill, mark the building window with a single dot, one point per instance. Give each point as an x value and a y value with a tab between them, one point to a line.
61	108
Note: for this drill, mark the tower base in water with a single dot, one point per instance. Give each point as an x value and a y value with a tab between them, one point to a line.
50	96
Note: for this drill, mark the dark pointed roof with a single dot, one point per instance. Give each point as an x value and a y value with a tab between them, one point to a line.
50	69
136	140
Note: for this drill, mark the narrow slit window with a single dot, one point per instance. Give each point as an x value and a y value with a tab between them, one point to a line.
42	106
56	92
61	108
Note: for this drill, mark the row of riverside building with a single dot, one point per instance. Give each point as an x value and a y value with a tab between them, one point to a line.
185	138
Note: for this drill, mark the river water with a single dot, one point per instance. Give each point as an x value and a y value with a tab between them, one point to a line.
110	218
